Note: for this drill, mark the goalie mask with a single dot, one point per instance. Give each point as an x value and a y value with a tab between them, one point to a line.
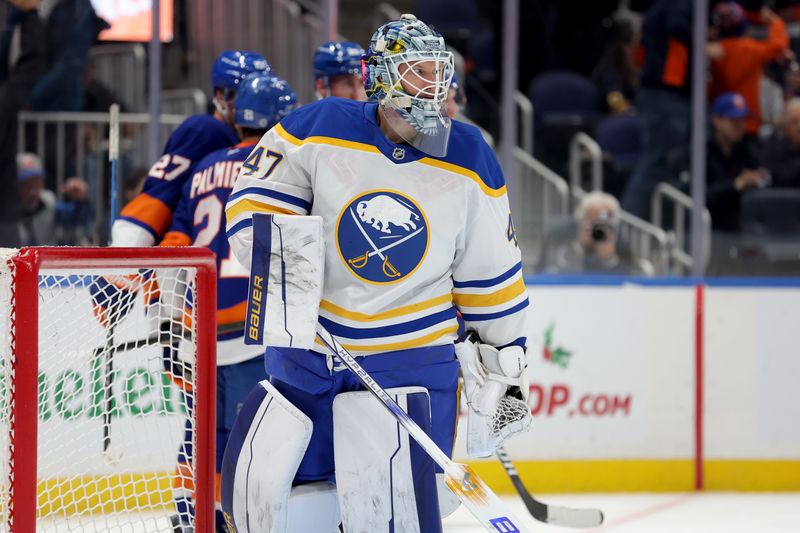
408	71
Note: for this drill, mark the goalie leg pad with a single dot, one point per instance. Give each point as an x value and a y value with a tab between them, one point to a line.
267	442
386	482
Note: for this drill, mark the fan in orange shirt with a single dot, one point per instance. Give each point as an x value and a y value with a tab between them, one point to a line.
737	60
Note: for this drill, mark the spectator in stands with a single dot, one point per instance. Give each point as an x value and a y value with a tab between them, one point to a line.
663	100
45	220
589	244
732	166
72	28
617	73
782	154
737	60
15	92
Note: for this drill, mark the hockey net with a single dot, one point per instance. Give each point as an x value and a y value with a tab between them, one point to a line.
107	389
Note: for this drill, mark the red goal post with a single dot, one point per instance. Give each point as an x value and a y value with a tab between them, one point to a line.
88	408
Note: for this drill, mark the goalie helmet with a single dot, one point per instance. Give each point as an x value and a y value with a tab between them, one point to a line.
408	70
262	101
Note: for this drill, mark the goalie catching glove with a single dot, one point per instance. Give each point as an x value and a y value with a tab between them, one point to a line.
496	387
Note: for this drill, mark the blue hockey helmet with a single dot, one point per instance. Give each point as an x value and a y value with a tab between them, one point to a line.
262	101
337	58
233	65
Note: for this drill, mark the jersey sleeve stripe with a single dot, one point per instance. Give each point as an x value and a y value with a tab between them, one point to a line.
232	315
467	173
255	207
387	331
483	283
236	228
392	313
149	212
269	193
488	300
393	346
479	317
176	238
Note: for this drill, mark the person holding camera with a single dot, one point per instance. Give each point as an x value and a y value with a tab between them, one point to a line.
589	244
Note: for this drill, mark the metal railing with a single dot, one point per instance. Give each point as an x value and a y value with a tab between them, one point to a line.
76	144
681	258
525	108
539	204
581	148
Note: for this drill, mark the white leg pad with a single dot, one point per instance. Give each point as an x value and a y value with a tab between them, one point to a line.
265	449
375	470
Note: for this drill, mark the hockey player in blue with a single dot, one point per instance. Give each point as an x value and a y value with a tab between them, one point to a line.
199	221
147	217
337	70
410	218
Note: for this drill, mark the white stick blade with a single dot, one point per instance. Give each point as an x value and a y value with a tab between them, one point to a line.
578	518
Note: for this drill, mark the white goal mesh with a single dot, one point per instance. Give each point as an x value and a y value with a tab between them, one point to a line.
118	402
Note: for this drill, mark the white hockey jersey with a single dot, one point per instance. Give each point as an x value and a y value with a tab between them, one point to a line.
410	239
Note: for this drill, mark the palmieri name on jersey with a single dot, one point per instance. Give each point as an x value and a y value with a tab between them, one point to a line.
221	176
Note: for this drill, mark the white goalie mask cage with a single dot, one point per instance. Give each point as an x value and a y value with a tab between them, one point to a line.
419	83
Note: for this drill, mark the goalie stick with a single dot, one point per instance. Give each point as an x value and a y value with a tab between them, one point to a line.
549	514
477	497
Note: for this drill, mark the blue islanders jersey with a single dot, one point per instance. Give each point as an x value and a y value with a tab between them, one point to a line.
199	220
410	239
147	217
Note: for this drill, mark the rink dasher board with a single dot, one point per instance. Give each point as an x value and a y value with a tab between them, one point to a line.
619	411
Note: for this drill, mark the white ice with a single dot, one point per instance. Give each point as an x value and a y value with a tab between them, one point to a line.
710	512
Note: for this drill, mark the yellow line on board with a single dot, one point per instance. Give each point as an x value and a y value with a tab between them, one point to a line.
752	475
644	475
592	476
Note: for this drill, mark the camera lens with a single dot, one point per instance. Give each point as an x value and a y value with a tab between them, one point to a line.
599	233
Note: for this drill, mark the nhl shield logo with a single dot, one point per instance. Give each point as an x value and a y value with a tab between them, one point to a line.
382	236
399	153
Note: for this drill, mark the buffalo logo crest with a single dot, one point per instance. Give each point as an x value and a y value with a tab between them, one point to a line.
382	236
